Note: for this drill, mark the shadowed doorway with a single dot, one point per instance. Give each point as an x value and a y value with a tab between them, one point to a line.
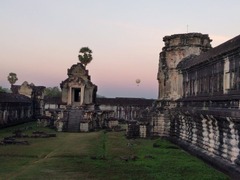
76	96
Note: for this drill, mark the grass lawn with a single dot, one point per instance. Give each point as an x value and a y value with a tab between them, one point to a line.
97	155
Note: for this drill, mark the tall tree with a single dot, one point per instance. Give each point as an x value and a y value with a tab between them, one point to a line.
86	56
12	78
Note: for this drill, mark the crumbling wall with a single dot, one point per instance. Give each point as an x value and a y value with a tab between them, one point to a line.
159	119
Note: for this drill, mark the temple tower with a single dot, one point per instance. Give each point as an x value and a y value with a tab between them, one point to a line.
77	89
79	93
176	48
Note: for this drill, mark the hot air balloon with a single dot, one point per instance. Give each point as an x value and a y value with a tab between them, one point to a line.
138	81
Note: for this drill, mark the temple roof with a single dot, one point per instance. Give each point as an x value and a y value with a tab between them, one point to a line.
220	50
36	89
77	74
185	35
16	98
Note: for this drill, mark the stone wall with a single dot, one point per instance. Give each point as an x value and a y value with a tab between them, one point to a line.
207	115
211	134
159	118
125	108
36	93
215	131
204	118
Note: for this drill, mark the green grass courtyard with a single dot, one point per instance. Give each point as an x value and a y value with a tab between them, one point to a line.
97	155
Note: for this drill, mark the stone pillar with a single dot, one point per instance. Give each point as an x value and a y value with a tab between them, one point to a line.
142	131
226	76
82	95
69	96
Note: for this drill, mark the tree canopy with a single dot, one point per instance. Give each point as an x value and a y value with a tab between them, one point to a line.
52	91
4	89
12	78
85	56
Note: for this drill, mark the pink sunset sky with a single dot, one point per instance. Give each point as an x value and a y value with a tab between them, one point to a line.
40	39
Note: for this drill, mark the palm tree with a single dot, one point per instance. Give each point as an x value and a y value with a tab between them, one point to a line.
86	56
12	78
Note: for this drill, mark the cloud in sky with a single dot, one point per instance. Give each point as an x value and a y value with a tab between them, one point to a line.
40	40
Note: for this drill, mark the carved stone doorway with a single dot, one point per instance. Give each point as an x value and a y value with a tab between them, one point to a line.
76	96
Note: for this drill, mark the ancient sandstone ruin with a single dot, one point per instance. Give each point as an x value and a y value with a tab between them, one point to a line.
176	48
82	112
198	102
197	107
77	89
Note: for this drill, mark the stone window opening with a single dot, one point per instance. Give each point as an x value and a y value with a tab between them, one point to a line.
76	94
226	75
234	67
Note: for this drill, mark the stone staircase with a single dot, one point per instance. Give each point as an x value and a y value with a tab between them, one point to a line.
74	118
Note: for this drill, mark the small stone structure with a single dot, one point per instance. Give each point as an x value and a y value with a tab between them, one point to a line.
132	130
144	130
112	122
77	89
79	95
85	126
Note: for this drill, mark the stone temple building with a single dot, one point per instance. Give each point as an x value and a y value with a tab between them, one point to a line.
79	97
77	89
79	110
198	105
176	48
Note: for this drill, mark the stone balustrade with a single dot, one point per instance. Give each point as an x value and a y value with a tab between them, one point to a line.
218	135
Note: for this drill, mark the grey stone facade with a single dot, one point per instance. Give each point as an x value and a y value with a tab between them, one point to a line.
176	48
125	108
198	105
14	109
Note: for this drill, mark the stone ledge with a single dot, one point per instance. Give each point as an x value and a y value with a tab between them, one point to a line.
220	164
217	112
